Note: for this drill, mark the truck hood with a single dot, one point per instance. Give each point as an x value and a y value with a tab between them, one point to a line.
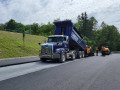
55	45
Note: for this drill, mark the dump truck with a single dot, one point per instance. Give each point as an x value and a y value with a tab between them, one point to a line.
105	51
66	43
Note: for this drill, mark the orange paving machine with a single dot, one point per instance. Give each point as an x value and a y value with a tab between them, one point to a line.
105	50
89	51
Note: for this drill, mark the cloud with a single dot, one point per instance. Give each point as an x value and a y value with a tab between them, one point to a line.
43	11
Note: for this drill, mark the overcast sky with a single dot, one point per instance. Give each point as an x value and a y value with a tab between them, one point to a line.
43	11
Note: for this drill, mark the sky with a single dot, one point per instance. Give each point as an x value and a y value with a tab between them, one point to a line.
44	11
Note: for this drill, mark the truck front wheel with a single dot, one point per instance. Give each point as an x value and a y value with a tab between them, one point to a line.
62	58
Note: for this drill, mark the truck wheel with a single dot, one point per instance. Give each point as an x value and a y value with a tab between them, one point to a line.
43	60
83	54
73	56
78	55
62	58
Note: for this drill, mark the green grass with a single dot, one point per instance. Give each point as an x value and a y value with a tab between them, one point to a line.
11	45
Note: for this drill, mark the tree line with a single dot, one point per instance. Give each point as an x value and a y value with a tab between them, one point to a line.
107	35
104	35
34	29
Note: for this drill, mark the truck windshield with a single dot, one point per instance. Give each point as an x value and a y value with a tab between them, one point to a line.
55	39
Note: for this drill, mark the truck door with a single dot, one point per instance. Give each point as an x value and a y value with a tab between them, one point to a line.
65	41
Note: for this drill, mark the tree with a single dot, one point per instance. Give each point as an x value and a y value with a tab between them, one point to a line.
91	28
86	26
28	29
78	26
35	28
47	29
11	25
82	24
19	27
108	36
103	25
2	26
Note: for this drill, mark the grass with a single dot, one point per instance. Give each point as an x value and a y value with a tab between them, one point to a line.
11	45
115	51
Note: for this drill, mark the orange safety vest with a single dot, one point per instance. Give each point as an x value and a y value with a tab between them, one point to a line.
88	50
103	48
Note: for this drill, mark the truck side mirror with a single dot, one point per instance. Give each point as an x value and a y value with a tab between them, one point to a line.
39	43
67	38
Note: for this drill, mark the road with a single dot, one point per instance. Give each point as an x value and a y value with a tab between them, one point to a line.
19	60
91	73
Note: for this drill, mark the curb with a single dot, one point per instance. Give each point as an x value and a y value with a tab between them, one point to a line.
19	60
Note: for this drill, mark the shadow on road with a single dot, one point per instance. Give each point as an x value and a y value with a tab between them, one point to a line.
53	61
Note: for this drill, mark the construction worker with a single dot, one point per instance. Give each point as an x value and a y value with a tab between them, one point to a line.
97	51
103	50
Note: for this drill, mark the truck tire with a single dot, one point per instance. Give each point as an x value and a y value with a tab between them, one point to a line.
43	60
78	55
62	58
73	56
83	54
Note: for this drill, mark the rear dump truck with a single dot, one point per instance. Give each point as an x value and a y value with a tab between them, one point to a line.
66	43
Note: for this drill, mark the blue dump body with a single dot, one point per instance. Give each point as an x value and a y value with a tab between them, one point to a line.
75	39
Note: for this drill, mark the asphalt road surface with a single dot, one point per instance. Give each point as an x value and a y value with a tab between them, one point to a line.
92	73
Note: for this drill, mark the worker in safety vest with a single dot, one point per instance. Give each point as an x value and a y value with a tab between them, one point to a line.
103	50
97	51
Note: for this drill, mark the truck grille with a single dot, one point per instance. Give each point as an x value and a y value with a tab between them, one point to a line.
46	49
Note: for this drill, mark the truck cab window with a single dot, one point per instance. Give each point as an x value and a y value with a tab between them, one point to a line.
63	31
55	39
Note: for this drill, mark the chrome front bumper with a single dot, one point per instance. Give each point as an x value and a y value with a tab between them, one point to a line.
53	56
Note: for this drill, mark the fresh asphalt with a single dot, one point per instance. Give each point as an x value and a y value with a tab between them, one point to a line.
91	73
